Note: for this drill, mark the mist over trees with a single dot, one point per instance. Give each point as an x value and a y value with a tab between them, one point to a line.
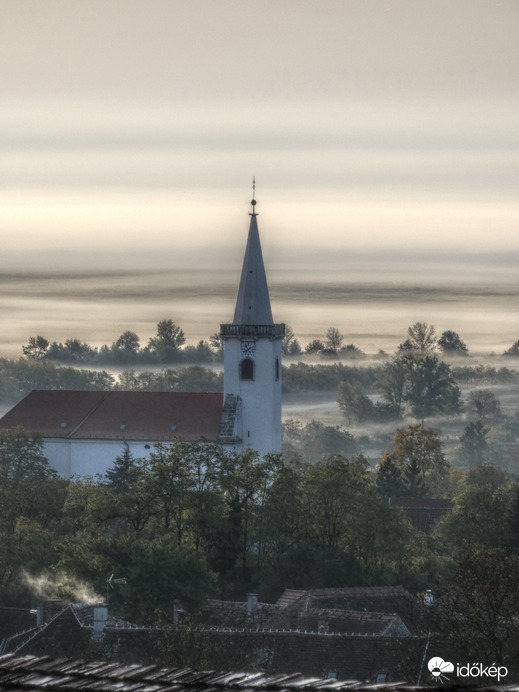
421	381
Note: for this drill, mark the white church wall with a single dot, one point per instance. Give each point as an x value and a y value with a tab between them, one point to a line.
58	454
89	457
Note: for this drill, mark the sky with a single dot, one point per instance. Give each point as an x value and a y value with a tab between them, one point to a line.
369	124
376	129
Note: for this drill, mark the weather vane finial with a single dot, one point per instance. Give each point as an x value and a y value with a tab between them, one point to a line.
253	201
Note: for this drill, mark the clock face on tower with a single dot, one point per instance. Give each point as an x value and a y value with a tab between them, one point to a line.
248	348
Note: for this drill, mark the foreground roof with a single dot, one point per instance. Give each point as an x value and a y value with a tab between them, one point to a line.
108	415
38	673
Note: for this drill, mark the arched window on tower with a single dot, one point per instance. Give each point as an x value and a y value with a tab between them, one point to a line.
247	369
276	369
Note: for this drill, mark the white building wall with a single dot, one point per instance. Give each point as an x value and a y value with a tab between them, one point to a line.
89	457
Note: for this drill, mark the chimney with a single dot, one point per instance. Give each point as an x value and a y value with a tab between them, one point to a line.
40	617
252	604
100	620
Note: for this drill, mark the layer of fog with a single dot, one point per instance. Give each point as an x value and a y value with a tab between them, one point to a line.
370	299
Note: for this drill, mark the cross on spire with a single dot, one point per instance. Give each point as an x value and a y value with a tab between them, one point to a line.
253	201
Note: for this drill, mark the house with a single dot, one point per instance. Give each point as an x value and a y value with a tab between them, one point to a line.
77	632
84	431
423	512
382	610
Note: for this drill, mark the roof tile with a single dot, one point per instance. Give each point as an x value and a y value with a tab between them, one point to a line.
155	416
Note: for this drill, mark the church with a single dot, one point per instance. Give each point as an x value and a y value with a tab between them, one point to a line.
84	431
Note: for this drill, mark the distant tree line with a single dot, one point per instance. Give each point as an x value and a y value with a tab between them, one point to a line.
169	346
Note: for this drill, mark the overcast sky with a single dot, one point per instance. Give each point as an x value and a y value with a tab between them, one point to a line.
132	129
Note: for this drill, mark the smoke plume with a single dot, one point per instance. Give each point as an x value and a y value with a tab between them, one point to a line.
60	585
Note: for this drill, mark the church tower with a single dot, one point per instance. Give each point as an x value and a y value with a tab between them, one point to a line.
252	359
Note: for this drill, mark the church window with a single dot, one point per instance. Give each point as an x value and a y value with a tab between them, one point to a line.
247	369
277	369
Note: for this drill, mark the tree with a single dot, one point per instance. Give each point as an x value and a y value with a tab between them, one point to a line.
122	476
451	343
283	510
126	348
484	404
201	353
159	573
421	337
351	351
72	350
355	405
414	479
173	476
334	339
390	481
513	350
421	380
430	387
474	443
217	345
331	497
391	382
290	345
480	610
315	440
36	348
479	517
31	496
419	452
168	341
383	540
315	346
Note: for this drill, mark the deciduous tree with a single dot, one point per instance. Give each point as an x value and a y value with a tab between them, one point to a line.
451	343
474	443
290	345
168	341
430	387
334	339
483	403
315	346
480	610
36	348
354	403
421	337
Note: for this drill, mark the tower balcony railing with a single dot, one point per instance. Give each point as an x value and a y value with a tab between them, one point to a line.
252	331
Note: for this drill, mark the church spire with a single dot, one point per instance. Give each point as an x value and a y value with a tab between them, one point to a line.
253	302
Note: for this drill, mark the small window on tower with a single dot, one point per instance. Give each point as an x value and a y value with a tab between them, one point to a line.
277	369
247	369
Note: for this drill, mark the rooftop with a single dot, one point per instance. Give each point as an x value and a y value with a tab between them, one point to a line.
107	415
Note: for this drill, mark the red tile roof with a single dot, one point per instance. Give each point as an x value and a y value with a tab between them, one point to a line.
90	415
